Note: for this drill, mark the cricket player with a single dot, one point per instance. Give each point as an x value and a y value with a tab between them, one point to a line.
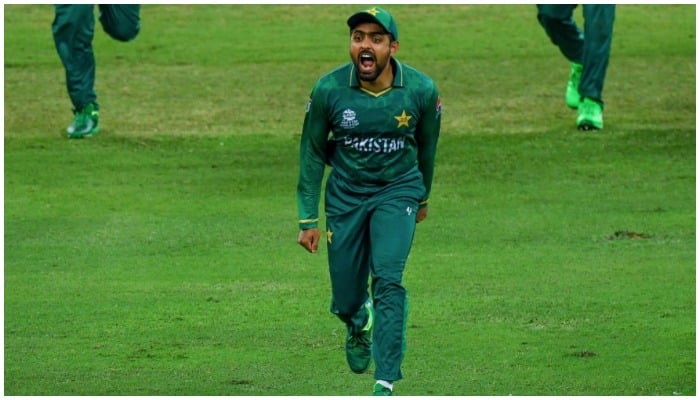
588	51
376	122
73	29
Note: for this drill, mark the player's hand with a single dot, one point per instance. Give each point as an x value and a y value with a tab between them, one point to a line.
308	239
421	214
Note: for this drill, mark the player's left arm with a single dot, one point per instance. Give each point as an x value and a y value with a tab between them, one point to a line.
427	133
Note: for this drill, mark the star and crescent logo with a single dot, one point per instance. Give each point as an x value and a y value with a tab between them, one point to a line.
403	119
373	11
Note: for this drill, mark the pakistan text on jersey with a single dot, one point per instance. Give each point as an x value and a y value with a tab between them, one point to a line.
376	145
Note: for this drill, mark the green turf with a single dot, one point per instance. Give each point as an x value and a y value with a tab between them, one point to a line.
159	258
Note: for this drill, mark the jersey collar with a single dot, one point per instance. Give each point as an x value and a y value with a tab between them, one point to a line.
398	76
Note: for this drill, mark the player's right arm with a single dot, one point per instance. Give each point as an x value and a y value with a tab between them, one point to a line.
308	239
312	159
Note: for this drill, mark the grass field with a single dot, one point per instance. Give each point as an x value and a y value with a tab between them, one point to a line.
160	257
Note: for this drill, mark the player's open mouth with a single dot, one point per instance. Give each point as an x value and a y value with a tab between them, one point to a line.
367	60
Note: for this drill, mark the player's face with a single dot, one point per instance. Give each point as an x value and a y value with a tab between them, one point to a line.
370	50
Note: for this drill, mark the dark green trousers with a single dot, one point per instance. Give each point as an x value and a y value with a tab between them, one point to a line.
73	29
590	47
369	233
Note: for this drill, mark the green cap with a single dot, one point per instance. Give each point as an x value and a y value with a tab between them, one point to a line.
377	15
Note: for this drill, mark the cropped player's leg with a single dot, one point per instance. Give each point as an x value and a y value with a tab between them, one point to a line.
558	22
348	260
391	230
73	30
348	266
120	21
347	237
598	20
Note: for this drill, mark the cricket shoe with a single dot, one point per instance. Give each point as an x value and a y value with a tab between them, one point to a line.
86	122
381	390
573	98
358	348
590	115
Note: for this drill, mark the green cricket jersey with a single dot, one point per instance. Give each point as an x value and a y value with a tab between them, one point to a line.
369	139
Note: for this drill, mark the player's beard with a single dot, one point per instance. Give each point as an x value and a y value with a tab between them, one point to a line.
371	76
